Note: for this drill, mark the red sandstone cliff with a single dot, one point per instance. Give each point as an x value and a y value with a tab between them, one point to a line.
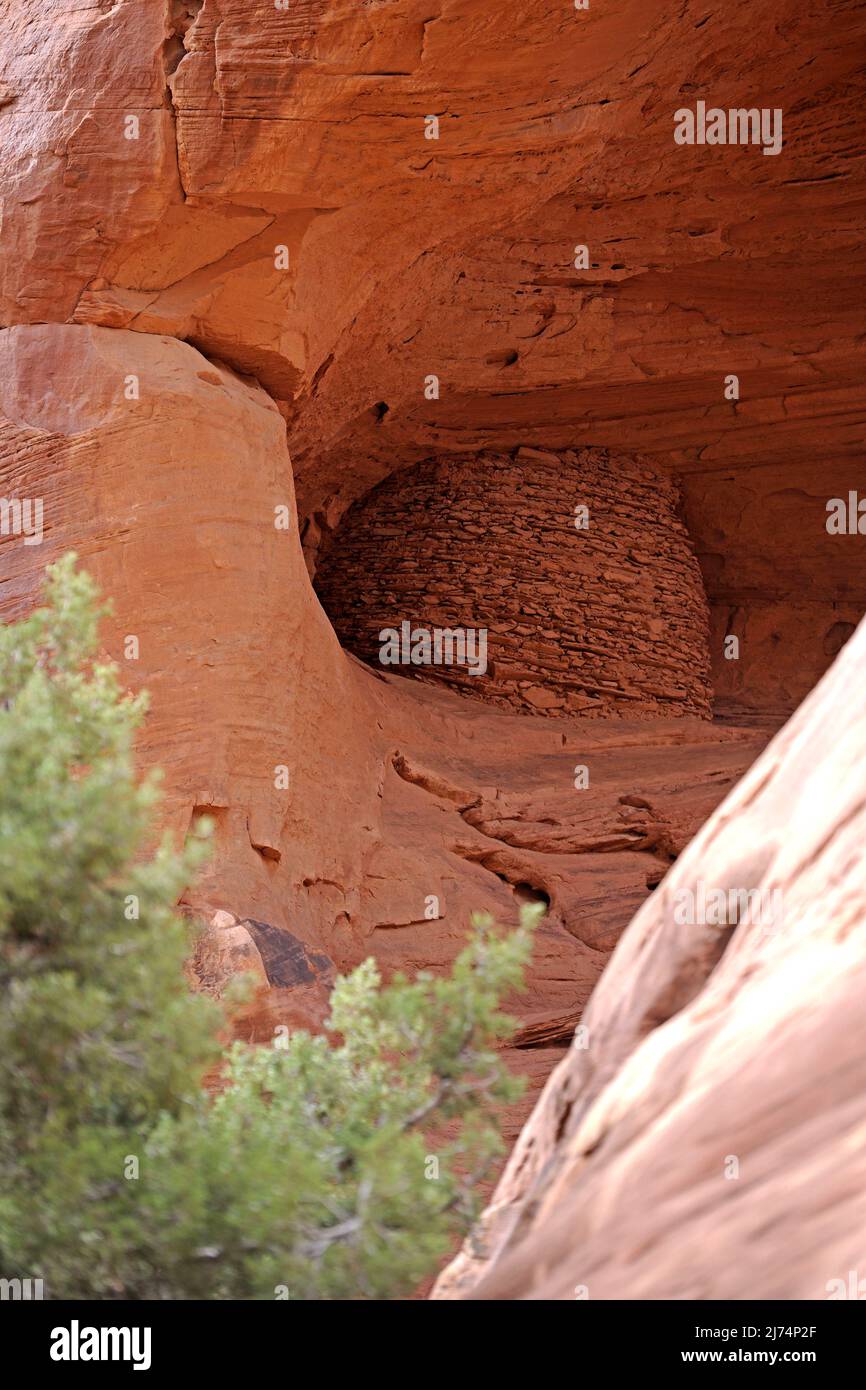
233	262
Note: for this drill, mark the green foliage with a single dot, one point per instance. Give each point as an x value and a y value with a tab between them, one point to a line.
326	1167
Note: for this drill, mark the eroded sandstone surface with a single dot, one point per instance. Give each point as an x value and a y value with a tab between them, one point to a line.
706	1138
259	263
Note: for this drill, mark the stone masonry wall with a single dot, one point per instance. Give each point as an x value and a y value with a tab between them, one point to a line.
607	619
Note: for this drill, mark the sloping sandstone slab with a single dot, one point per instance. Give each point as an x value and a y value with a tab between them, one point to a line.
706	1138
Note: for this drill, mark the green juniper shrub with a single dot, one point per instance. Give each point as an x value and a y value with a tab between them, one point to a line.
325	1167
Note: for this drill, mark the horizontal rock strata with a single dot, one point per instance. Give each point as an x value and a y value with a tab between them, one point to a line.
575	566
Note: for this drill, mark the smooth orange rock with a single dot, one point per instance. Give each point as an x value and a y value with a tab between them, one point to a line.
704	1137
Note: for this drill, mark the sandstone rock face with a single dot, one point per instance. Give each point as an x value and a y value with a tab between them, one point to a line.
257	254
353	813
224	951
260	183
288	985
576	570
705	1137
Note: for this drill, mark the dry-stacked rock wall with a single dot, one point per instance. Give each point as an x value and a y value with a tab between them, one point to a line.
575	565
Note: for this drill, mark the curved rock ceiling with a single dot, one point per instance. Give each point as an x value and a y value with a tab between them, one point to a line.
242	285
